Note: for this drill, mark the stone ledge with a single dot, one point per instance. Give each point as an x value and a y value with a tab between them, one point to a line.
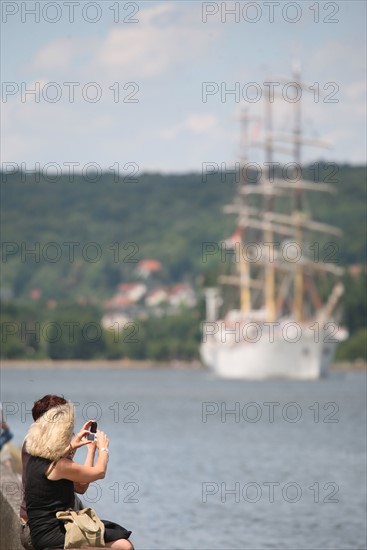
10	497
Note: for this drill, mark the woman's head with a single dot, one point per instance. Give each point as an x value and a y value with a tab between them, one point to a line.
45	404
52	431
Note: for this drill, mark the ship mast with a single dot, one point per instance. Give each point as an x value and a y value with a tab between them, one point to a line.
244	268
276	270
269	206
298	204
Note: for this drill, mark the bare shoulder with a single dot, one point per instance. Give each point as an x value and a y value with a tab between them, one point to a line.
64	469
78	473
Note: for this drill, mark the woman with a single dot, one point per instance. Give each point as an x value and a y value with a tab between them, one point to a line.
50	478
40	407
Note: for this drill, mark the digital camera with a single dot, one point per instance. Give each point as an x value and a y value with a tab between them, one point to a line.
93	429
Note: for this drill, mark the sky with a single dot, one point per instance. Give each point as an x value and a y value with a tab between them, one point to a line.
148	84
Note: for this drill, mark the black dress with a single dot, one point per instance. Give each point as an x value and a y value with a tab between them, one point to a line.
44	498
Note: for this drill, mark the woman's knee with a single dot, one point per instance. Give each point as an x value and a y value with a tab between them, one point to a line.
126	545
121	544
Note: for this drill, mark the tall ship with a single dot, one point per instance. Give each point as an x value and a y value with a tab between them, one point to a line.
275	322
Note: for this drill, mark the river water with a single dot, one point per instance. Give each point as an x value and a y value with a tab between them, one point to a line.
199	463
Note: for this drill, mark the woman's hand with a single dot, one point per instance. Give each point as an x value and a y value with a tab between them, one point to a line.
79	440
102	440
87	425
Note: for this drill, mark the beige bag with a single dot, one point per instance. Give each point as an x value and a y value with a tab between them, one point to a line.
83	528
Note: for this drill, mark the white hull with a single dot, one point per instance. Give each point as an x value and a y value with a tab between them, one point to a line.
305	359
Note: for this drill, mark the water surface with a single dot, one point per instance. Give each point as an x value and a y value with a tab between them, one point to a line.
286	469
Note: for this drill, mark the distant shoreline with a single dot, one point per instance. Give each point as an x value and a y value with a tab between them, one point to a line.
97	363
358	364
130	364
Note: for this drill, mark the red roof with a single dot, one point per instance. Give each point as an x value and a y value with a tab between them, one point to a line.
150	265
179	287
118	302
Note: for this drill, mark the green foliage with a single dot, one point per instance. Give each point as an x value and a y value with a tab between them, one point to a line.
166	217
75	332
75	337
20	332
157	339
169	218
345	210
163	217
354	347
354	301
172	337
68	332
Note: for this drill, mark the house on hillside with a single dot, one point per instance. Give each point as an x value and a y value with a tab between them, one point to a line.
132	291
118	302
156	297
182	295
113	319
126	297
146	268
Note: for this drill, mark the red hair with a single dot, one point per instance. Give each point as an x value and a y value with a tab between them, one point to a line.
45	404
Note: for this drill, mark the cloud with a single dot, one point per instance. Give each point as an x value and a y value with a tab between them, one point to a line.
165	36
195	124
44	132
356	90
201	124
57	55
169	53
163	39
337	60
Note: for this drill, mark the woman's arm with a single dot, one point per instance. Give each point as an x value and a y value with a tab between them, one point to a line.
78	441
81	488
67	469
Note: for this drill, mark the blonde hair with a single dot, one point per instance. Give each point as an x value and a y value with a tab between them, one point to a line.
49	436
